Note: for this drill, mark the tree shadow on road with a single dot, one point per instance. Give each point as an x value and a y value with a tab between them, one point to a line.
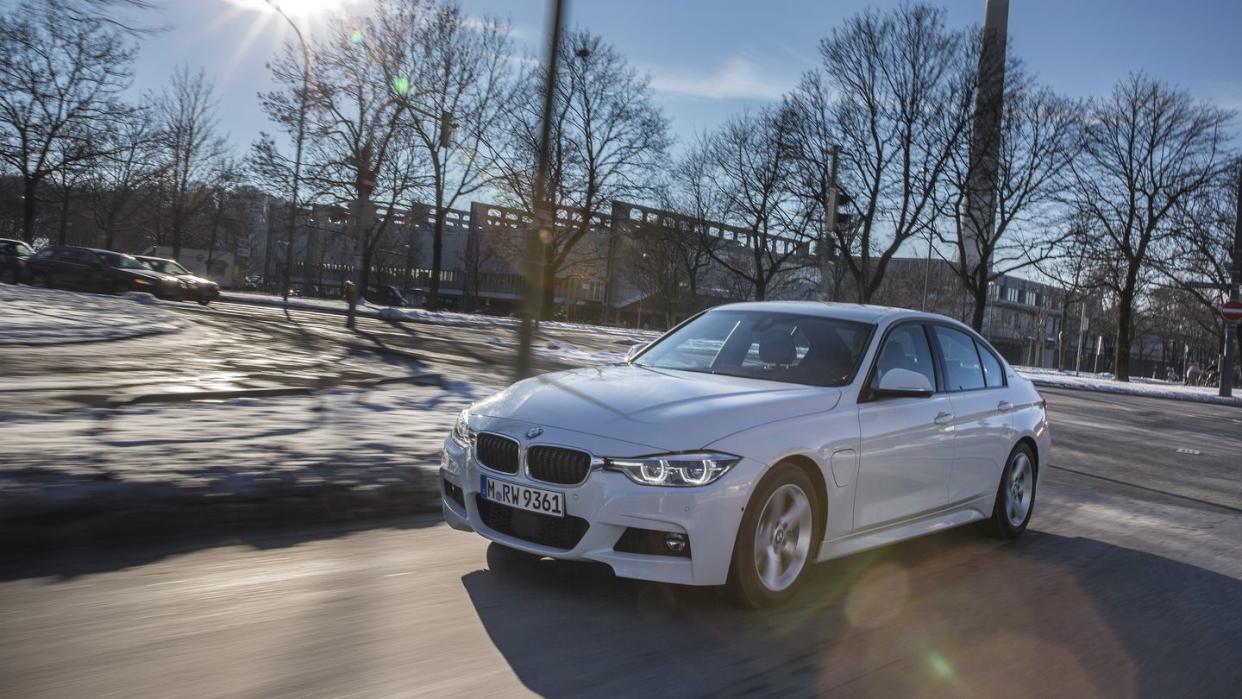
947	614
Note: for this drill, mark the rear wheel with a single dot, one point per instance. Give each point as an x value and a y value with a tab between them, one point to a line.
775	542
8	275
1015	497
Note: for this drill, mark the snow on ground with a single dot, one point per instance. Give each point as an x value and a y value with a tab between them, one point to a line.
1137	386
343	440
439	317
30	316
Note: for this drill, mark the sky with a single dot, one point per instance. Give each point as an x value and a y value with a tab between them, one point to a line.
710	58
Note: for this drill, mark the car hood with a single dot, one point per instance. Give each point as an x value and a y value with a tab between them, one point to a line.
664	409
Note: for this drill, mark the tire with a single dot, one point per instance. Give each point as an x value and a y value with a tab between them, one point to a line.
8	276
1015	501
203	302
776	540
40	280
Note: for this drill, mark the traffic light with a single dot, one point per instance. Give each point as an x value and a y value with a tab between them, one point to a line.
447	125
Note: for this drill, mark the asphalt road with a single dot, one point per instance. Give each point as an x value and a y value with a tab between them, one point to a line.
1129	583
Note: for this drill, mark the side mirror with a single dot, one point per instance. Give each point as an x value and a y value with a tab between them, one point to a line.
903	383
634	350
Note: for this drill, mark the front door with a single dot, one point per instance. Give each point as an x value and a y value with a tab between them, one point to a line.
907	443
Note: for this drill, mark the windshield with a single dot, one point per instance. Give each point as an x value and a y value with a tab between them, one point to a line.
166	266
787	347
116	259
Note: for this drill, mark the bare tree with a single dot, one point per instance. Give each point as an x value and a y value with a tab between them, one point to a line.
1145	149
608	137
453	73
895	89
59	82
1206	223
119	181
750	164
356	152
191	149
1019	227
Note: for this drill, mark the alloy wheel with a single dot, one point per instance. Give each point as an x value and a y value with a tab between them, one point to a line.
1019	490
783	537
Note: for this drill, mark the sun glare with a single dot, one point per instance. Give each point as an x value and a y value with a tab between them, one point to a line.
294	8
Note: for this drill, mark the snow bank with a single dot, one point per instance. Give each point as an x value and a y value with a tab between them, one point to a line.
439	317
357	441
32	316
1137	386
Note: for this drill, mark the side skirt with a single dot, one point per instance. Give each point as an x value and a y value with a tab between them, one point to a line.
955	516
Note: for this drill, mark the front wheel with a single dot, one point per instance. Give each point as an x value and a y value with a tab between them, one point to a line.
775	542
40	280
1015	497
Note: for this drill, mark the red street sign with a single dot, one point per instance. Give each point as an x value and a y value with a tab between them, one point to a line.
1232	311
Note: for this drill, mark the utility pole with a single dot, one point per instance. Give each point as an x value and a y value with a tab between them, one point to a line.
1235	279
544	217
297	158
827	247
985	141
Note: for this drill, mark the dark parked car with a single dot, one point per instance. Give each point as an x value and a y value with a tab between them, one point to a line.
194	288
88	269
386	295
13	255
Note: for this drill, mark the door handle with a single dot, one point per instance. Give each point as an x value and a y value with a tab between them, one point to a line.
943	418
1004	406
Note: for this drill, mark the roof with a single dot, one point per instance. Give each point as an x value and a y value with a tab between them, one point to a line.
864	313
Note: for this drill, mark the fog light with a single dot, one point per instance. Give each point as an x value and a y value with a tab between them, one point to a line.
675	543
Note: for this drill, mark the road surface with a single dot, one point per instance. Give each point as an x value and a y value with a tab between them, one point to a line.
1128	583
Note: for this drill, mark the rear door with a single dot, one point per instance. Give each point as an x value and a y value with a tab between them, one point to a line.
982	425
907	443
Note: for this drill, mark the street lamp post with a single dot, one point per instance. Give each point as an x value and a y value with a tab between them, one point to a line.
297	152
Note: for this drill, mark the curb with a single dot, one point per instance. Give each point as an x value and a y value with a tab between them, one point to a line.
1120	391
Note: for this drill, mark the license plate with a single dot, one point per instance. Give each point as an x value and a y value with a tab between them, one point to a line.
545	502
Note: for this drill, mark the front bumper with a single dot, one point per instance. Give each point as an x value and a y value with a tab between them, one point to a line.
610	503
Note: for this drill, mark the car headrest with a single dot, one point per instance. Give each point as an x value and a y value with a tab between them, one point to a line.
777	348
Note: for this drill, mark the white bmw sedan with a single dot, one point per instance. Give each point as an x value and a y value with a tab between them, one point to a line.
750	441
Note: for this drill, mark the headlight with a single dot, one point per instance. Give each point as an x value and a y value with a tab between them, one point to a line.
141	282
461	429
674	469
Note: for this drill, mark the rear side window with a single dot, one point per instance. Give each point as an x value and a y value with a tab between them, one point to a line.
993	374
961	362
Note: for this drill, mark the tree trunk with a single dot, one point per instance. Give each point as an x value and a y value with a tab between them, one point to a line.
63	233
980	300
437	256
548	307
1125	313
28	209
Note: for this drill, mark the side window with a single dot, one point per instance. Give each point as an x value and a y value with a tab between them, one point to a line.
906	348
44	254
961	361
993	374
